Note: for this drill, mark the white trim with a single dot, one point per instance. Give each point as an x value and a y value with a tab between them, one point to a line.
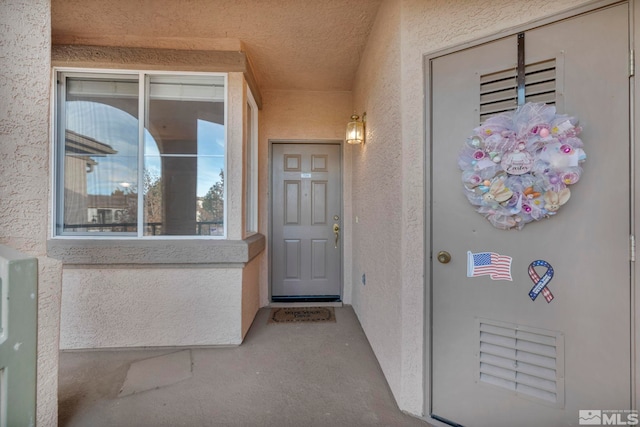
122	236
251	217
634	41
143	111
135	71
225	225
53	149
512	31
3	395
211	156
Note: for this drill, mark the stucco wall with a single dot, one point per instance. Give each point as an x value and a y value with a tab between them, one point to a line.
250	293
377	195
393	305
234	173
302	115
150	307
24	152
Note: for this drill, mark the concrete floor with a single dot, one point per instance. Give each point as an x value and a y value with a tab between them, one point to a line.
313	374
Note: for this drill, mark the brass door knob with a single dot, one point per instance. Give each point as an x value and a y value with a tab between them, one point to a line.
444	257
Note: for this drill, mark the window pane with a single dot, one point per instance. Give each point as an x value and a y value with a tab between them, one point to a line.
100	155
184	156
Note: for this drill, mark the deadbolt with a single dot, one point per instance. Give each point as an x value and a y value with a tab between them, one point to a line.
444	257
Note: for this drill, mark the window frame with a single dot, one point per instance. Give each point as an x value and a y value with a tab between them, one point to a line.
58	127
251	164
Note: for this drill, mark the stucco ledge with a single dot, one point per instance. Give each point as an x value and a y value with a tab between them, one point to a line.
195	252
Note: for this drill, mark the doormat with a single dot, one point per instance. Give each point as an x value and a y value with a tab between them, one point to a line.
302	314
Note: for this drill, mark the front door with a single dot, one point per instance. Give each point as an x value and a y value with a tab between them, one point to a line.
500	358
306	235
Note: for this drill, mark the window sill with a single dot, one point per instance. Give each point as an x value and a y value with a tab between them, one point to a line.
156	252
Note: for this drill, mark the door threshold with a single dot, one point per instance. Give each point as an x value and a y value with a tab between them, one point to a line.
306	304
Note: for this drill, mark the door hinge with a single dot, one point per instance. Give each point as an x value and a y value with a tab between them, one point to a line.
632	247
632	63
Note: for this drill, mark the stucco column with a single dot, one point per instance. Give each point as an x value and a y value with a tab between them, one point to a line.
234	176
25	49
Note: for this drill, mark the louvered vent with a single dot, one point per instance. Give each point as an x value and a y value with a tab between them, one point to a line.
526	361
498	91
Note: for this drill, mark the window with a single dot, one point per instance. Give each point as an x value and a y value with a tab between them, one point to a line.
140	154
251	165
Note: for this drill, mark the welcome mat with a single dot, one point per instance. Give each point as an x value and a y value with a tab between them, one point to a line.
302	314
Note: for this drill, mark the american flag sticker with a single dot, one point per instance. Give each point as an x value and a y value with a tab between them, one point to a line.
497	266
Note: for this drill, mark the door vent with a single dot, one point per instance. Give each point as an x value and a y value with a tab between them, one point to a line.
499	90
526	361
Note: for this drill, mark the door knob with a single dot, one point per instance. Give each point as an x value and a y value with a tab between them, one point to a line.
336	230
444	257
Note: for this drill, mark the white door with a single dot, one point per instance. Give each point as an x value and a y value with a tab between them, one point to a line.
500	358
306	235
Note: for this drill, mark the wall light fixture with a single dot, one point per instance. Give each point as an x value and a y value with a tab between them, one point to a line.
355	129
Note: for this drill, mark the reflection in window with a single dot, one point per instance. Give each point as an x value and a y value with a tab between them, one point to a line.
186	121
100	155
181	172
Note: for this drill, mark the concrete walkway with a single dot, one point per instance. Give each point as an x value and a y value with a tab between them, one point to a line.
314	374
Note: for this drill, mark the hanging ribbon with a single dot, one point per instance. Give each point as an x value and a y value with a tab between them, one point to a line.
521	80
540	282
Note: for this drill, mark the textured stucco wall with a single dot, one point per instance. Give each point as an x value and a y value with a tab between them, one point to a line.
24	171
250	293
303	115
150	307
234	173
377	195
391	81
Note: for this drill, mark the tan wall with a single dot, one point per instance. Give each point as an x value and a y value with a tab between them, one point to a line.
24	172
301	115
250	293
377	195
388	174
234	172
145	307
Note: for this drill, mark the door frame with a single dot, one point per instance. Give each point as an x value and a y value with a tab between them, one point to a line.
272	142
634	164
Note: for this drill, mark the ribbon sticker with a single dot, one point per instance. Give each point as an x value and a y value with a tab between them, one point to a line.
540	282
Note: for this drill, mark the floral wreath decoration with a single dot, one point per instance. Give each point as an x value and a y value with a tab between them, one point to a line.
517	166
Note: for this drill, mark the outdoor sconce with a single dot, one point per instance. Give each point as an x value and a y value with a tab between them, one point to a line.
355	129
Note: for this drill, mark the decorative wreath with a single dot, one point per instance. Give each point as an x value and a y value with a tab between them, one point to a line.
517	166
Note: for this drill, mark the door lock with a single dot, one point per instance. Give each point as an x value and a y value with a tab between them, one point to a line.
444	257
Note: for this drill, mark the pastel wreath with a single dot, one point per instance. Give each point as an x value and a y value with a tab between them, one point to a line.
517	166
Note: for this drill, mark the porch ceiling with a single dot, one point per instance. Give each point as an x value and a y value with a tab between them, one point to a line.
293	44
